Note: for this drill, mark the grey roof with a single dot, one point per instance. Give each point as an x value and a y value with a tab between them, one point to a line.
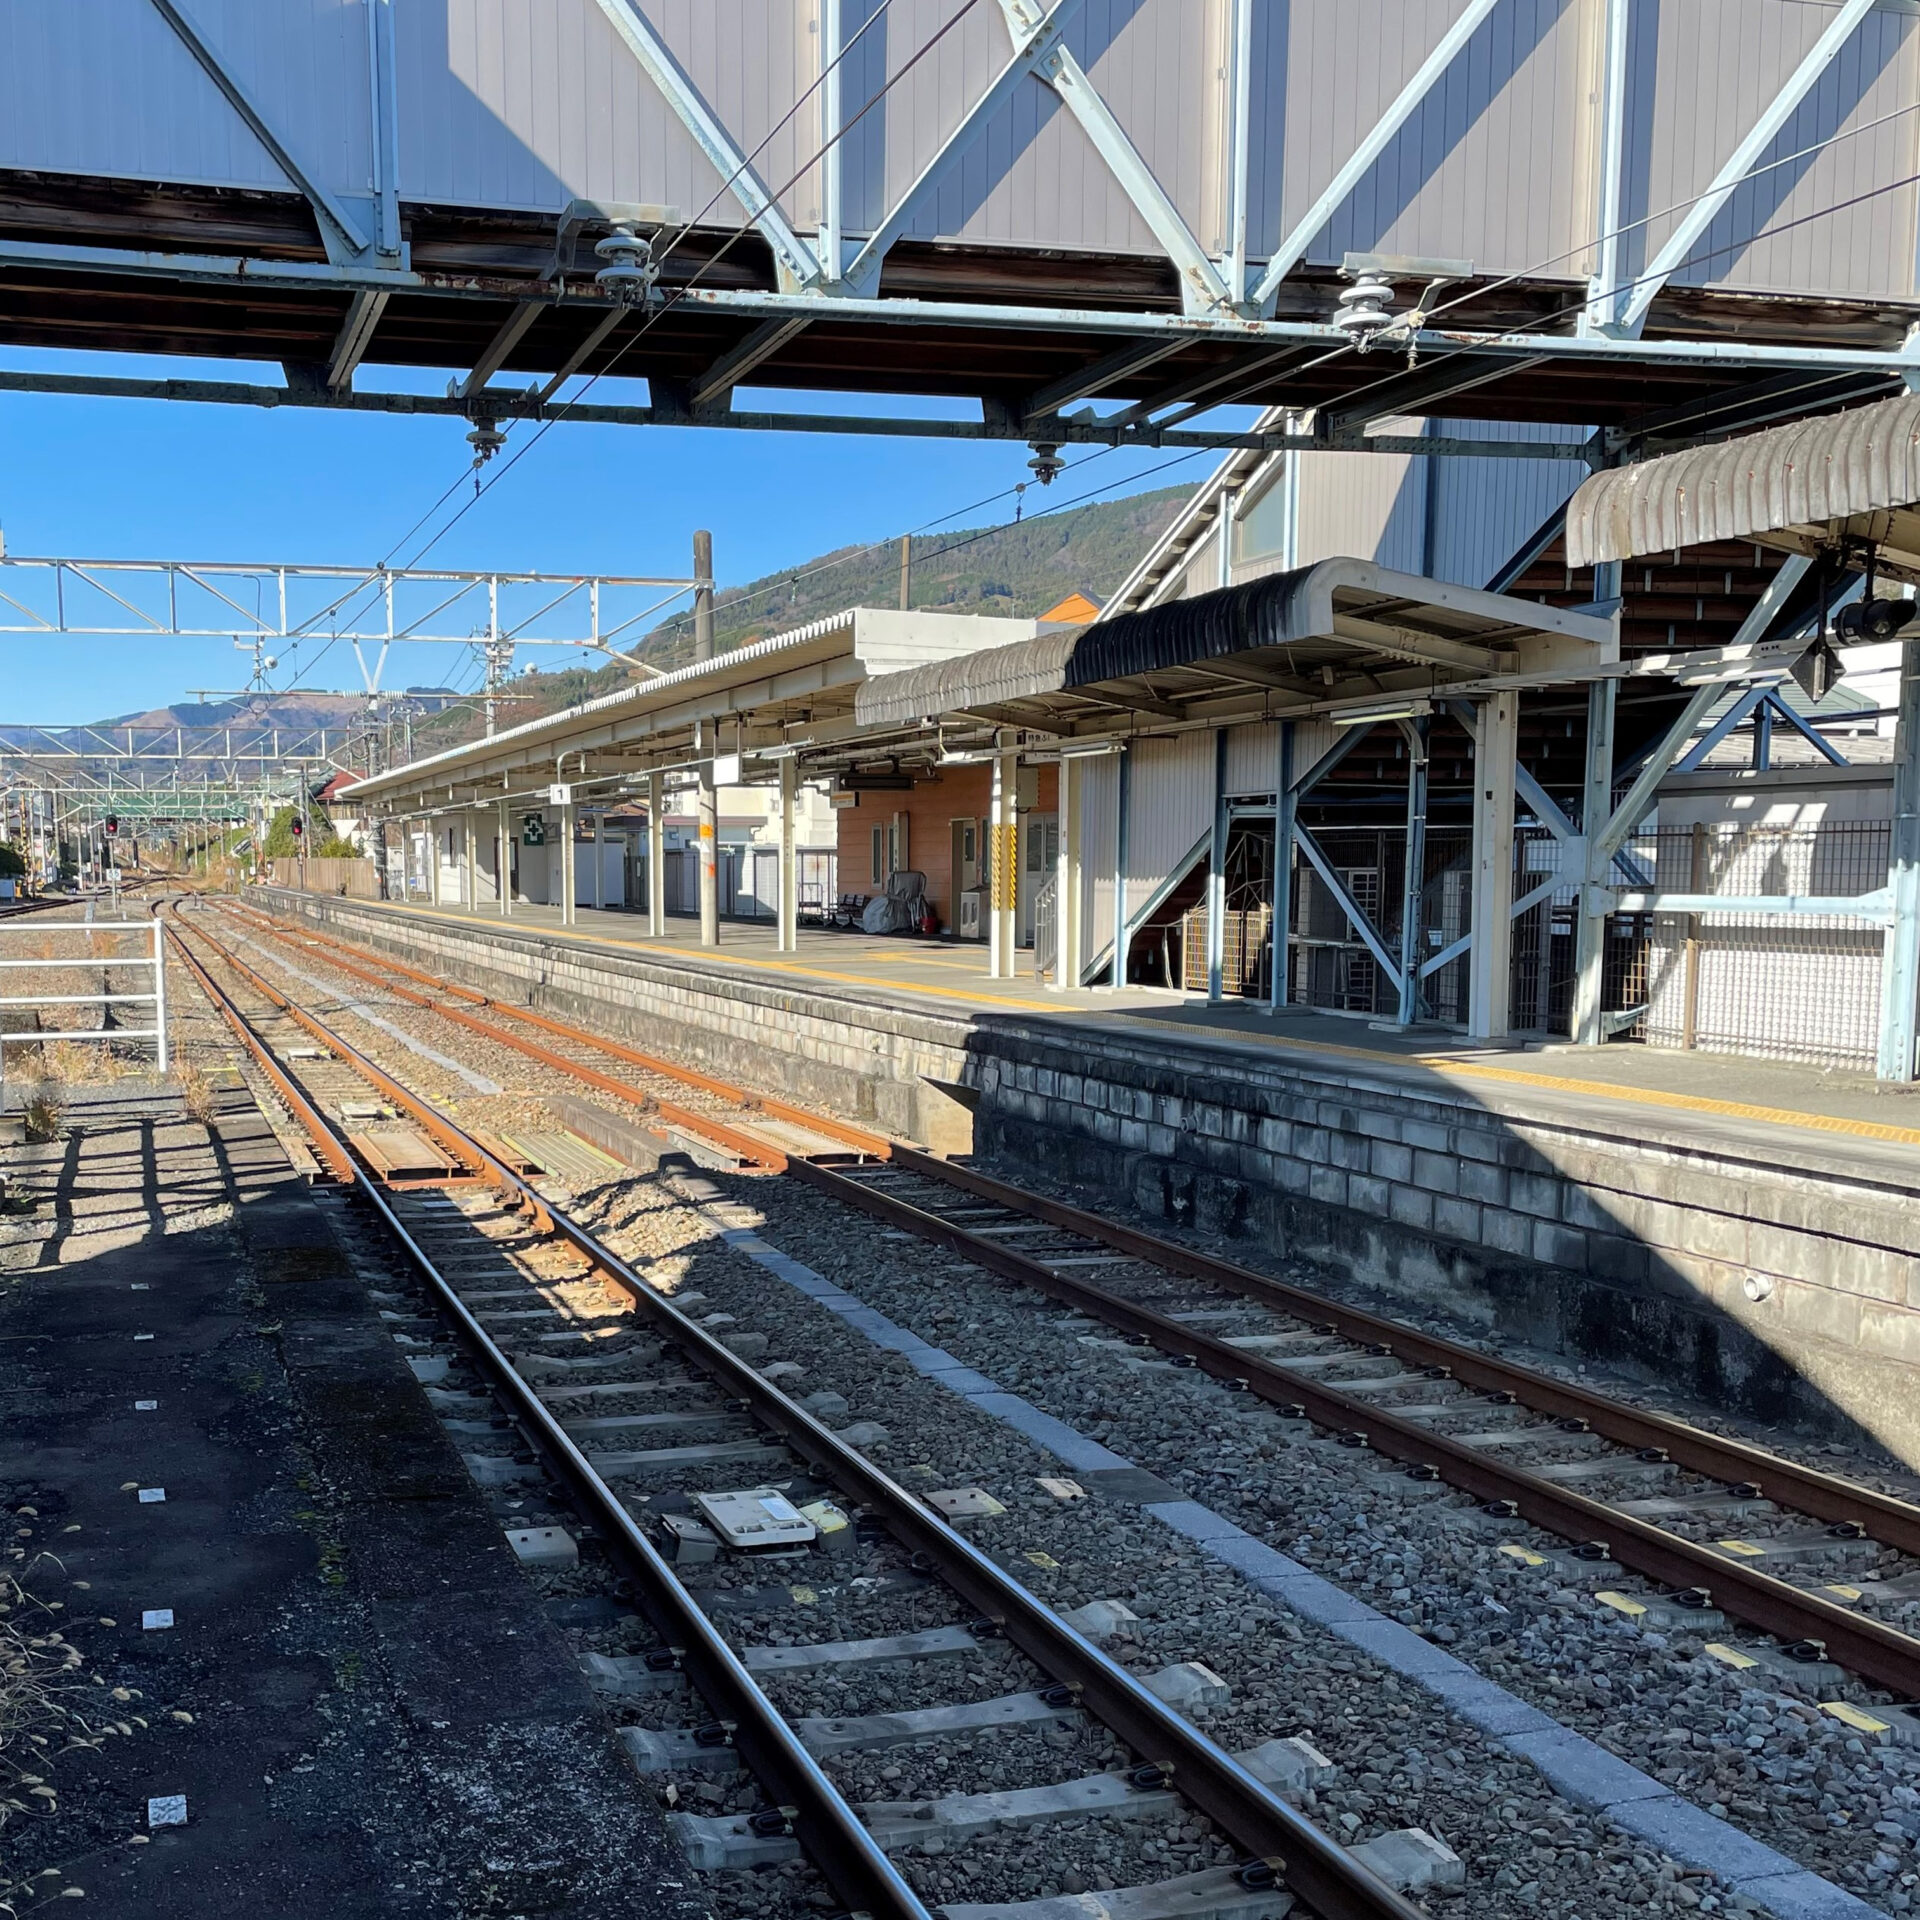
1800	487
1270	639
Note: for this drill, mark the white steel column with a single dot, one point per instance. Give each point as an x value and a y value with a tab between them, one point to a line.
1066	878
473	863
656	857
1414	876
160	995
788	940
566	865
1284	804
1490	956
1121	932
709	857
432	824
1590	913
503	859
1217	870
1603	286
1900	956
599	860
1002	925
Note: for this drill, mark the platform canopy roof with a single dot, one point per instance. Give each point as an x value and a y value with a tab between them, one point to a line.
905	690
750	699
1342	634
1846	480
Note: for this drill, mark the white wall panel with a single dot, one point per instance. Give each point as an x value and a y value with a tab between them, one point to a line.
1482	510
1370	505
1253	759
107	87
524	104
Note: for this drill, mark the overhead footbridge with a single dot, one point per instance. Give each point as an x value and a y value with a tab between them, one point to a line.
1376	212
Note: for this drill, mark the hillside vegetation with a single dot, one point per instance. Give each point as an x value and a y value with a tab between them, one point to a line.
1016	572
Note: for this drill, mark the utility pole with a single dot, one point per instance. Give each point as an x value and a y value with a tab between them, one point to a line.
906	572
496	657
703	595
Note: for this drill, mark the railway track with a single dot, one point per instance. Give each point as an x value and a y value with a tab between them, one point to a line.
1716	1527
534	1315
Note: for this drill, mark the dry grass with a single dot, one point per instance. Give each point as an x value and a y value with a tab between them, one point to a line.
49	1706
42	1108
196	1094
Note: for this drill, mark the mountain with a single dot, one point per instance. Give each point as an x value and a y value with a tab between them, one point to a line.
1016	571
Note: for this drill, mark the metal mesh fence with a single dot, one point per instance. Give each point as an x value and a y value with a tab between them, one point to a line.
1784	987
1333	967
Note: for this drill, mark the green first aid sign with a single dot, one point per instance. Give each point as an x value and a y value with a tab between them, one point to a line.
533	830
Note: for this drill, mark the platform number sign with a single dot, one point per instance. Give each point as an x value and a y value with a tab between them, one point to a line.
533	830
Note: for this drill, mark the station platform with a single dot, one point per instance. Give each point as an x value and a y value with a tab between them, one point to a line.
1720	1099
1748	1230
340	1693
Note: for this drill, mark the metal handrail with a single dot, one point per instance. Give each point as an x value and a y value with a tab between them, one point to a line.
156	959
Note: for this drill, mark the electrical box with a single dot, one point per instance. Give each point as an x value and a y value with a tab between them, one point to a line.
973	913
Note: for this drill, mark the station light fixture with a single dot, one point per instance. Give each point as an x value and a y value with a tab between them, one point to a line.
1397	710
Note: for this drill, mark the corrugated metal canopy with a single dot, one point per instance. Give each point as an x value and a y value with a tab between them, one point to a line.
1804	487
1340	630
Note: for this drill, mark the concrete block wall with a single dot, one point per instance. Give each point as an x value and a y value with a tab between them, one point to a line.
1785	1285
1779	1282
886	1067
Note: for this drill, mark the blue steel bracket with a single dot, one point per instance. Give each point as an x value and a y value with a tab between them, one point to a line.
1368	932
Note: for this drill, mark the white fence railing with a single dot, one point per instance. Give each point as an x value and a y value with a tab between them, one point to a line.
153	961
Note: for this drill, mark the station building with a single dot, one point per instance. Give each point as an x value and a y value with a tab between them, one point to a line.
1384	690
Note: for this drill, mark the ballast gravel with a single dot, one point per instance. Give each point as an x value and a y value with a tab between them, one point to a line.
1773	1765
1401	1759
1766	1762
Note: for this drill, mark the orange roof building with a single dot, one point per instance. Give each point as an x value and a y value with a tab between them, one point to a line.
1074	611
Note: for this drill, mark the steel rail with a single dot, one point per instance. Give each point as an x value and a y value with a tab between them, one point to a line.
328	1144
1878	1653
827	1828
461	1146
861	1139
743	1146
1822	1496
1324	1874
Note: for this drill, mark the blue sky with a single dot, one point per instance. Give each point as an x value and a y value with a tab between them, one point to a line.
170	480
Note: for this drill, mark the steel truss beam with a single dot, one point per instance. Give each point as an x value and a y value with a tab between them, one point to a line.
1030	46
798	264
733	366
364	313
522	406
338	228
1201	288
1292	250
1630	303
360	604
1084	323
